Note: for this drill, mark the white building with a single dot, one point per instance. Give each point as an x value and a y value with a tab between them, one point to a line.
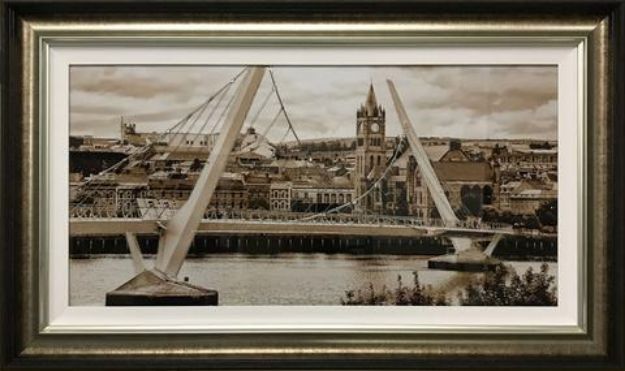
280	196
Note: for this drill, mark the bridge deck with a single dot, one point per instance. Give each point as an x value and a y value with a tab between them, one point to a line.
118	226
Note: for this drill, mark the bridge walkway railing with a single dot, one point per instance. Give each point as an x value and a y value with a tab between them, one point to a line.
125	209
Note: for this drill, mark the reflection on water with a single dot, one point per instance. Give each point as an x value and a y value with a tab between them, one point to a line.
283	279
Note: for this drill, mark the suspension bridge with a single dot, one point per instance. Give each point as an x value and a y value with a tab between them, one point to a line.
226	112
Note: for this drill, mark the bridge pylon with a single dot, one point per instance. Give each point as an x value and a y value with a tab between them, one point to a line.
467	256
159	285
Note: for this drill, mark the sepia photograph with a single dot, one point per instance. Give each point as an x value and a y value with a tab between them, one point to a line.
313	185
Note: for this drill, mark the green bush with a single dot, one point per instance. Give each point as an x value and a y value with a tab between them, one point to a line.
416	295
502	287
531	289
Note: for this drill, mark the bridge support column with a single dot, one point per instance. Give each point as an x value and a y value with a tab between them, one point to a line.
159	286
468	257
472	260
155	288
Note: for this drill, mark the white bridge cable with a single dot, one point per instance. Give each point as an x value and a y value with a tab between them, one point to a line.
137	152
176	128
399	150
425	166
367	192
286	134
216	123
85	194
209	116
202	107
183	128
162	208
286	115
219	121
262	107
102	187
222	116
219	93
282	112
275	119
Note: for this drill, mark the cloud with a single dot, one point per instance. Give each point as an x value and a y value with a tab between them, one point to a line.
456	101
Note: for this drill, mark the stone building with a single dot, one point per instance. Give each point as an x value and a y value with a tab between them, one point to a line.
469	185
258	187
526	196
521	159
230	194
178	140
167	193
280	196
316	197
401	186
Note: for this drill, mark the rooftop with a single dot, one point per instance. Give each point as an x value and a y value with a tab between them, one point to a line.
463	171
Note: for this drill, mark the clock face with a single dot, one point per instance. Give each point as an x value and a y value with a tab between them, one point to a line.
375	128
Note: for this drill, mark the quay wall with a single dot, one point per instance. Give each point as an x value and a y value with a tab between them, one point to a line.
513	247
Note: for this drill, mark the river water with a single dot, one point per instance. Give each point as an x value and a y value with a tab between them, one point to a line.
281	279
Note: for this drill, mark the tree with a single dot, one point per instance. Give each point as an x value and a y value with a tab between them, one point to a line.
75	142
434	214
491	216
418	294
505	287
501	287
402	202
473	203
259	203
371	297
547	213
196	165
531	222
471	198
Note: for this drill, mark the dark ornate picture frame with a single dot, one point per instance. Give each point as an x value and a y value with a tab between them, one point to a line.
26	25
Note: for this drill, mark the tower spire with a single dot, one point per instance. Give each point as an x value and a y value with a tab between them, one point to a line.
372	103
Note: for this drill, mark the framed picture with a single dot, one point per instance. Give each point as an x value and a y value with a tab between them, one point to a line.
312	185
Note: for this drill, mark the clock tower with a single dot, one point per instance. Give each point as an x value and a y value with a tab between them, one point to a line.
370	150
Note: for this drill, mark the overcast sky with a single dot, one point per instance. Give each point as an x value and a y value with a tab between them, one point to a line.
464	102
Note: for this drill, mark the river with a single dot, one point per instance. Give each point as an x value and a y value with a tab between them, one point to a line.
280	279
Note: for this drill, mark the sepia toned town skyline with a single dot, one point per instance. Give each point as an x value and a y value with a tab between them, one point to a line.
266	219
503	102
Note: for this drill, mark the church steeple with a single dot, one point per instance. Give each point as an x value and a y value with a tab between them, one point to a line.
370	107
370	149
371	103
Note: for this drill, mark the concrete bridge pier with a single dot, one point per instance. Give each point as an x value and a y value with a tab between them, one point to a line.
471	260
152	287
